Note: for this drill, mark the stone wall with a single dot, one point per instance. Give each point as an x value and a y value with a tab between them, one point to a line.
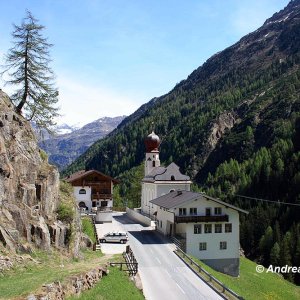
74	285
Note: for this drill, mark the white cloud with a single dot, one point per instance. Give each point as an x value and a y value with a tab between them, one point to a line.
83	102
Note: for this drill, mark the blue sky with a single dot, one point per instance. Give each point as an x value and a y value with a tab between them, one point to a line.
112	56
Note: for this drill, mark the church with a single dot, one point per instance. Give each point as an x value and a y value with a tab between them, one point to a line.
200	225
159	180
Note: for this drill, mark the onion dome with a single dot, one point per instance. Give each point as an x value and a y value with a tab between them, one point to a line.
152	142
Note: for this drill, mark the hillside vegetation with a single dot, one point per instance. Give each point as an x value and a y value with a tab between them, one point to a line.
233	126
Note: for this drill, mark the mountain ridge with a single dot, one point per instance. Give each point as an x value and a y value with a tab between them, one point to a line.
65	148
230	66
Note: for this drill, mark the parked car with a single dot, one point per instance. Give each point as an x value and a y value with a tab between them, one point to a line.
114	237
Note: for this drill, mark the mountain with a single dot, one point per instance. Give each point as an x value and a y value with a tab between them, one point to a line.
234	126
69	142
230	91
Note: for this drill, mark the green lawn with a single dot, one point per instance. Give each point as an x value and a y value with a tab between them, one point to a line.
28	278
115	286
253	285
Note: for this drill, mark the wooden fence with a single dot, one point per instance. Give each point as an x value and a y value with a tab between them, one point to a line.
210	279
130	262
96	246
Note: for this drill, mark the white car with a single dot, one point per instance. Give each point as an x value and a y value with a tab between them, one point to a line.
114	237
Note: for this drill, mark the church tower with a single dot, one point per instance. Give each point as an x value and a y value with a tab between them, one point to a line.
152	161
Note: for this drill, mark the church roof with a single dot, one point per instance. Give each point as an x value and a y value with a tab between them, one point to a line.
177	198
169	173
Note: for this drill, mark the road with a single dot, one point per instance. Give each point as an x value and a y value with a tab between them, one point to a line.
163	274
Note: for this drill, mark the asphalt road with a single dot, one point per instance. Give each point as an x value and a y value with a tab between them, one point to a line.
163	274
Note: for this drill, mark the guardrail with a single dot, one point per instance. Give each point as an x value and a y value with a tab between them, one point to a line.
212	281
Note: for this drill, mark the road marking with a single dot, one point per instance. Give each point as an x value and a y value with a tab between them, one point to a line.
168	274
180	288
158	260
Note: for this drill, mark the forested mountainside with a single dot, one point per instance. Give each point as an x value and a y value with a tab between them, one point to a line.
233	125
64	148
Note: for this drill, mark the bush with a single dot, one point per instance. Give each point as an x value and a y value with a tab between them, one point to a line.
65	212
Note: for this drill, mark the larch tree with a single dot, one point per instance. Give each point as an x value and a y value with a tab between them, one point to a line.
27	67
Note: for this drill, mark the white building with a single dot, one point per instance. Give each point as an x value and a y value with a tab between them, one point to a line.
93	190
159	180
207	228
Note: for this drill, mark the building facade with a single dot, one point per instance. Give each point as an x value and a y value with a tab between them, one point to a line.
159	180
205	227
93	190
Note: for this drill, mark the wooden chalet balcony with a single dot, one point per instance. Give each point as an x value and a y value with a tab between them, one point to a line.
101	196
205	219
92	182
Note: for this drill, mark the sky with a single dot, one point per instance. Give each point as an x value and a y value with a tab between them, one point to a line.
112	56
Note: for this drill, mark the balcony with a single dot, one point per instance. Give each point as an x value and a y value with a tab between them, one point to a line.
93	182
101	196
204	219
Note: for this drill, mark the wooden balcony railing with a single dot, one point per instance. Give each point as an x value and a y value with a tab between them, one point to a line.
195	218
101	196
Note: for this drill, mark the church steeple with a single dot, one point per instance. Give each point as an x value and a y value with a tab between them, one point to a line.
152	143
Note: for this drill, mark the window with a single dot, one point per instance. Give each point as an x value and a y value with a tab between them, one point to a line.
218	228
173	178
81	204
202	246
208	211
153	164
223	245
82	191
197	228
207	228
193	211
218	210
228	227
182	211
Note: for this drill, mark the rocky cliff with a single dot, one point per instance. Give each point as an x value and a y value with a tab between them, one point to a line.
29	187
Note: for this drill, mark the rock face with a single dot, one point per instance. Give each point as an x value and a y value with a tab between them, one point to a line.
29	186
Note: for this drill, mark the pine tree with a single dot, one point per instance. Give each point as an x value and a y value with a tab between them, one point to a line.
275	255
266	243
27	64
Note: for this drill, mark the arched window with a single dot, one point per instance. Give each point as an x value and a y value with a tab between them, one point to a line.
172	191
173	178
82	191
81	204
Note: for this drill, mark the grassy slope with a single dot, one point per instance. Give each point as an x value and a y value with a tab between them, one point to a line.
23	280
116	286
252	285
88	228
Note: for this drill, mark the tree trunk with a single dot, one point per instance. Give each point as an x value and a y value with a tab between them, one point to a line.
25	94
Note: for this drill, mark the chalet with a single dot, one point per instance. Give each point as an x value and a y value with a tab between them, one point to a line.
204	227
93	190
